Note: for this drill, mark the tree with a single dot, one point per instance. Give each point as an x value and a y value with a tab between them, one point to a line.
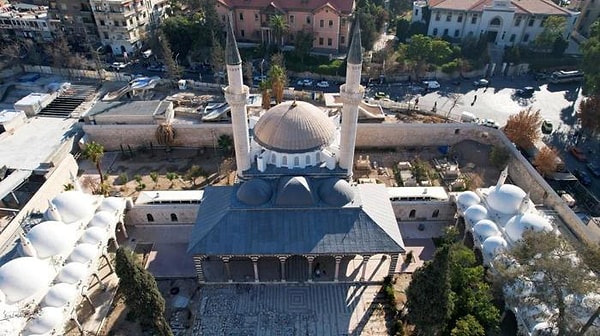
499	156
589	112
173	70
546	161
468	326
225	143
94	152
279	27
424	49
248	67
554	26
548	263
402	29
141	292
154	178
265	94
171	176
217	56
591	54
165	135
278	79
523	128
303	43
194	173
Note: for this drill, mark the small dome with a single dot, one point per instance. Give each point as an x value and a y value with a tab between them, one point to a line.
73	205
506	199
485	229
102	219
474	214
517	225
48	319
294	127
60	294
94	235
294	191
112	205
466	199
73	272
51	238
492	246
23	277
254	192
84	252
336	192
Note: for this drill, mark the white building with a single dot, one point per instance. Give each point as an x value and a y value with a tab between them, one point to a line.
505	22
25	21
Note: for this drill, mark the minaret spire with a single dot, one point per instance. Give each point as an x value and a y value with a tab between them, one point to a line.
236	94
351	93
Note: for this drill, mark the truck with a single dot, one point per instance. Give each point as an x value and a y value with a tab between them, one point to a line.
468	117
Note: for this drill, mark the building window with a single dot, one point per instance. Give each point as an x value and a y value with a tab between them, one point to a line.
150	218
329	41
284	160
449	17
307	159
518	21
308	20
342	39
242	16
456	33
102	23
531	22
459	19
320	41
343	22
242	32
525	38
457	131
474	19
435	213
106	35
296	161
321	23
543	21
416	12
330	23
223	18
503	35
291	19
435	31
412	213
437	17
495	22
512	38
173	217
255	16
445	32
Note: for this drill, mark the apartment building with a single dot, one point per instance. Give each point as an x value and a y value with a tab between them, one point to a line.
328	20
590	12
123	24
504	22
18	21
76	19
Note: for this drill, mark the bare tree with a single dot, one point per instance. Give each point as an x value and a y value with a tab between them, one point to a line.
589	112
523	128
546	161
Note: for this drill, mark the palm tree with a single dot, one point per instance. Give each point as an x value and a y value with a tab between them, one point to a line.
278	79
171	176
165	135
279	27
225	144
266	95
94	152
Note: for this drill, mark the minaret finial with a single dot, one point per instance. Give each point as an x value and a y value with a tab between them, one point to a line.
355	51
232	54
524	204
502	178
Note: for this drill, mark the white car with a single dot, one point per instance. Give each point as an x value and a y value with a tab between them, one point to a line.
118	65
323	84
489	123
260	78
431	85
481	82
305	82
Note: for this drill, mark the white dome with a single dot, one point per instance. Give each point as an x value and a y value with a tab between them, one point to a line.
73	205
23	277
51	238
485	229
474	214
84	253
73	272
94	235
102	219
505	199
60	294
466	199
48	319
517	225
112	205
493	246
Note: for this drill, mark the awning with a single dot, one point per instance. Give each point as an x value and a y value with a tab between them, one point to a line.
12	181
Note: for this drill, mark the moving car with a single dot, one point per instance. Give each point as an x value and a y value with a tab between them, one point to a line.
525	92
157	68
578	154
594	169
490	123
547	126
431	85
380	95
323	84
260	78
118	65
481	82
305	82
583	177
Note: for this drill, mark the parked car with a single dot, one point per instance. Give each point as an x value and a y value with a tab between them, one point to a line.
481	82
547	126
525	92
305	82
578	154
118	66
490	123
583	177
260	78
431	85
323	84
594	169
380	95
157	68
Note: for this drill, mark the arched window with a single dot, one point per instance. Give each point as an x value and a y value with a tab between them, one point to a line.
495	22
173	217
284	160
318	157
296	161
412	214
273	158
150	217
436	213
307	160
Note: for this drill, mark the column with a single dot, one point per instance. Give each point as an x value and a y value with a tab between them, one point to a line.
110	266
100	283
364	267
123	229
239	121
255	266
226	267
77	324
198	259
393	264
282	262
310	267
338	260
350	99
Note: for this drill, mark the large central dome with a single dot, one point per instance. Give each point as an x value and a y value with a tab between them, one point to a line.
294	127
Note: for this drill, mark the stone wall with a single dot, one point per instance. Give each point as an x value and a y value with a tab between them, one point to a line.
161	213
423	210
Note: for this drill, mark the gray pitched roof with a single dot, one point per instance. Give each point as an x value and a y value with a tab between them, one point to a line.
227	227
232	54
355	52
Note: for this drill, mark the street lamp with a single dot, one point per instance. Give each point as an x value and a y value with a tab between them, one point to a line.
262	63
98	64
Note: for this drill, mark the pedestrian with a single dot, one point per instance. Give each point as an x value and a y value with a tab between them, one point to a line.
416	101
435	106
474	100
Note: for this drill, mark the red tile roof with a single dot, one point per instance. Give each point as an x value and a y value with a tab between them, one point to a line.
345	6
522	6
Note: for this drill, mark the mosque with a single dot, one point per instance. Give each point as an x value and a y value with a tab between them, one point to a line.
294	215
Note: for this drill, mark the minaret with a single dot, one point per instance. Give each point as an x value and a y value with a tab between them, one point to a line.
351	93
502	178
236	94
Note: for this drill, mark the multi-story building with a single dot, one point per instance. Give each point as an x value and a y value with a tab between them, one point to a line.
123	24
327	20
590	11
18	21
76	20
504	22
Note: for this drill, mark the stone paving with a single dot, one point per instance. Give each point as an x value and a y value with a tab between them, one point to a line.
307	310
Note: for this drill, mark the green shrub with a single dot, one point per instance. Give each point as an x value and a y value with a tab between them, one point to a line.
450	67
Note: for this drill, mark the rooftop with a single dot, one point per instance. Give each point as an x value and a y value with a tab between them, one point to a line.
130	108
